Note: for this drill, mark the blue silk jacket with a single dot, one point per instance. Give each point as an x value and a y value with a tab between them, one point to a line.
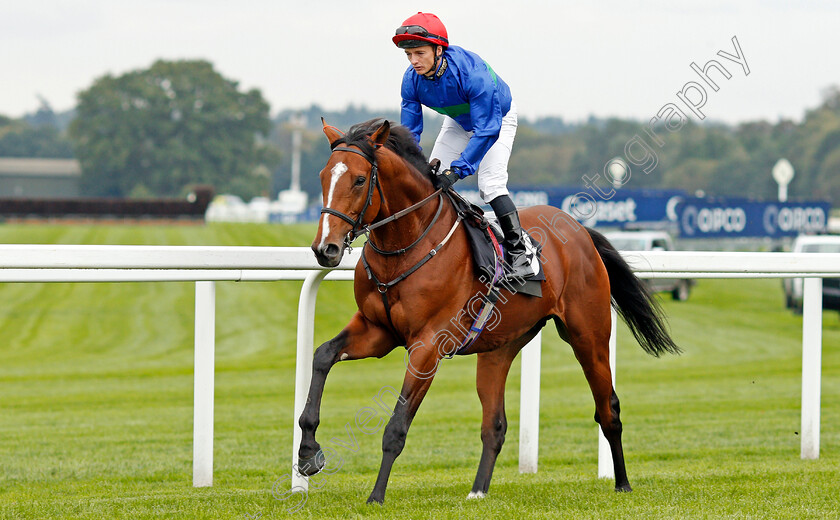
466	89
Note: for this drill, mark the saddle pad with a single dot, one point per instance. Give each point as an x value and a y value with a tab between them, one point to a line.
484	256
478	232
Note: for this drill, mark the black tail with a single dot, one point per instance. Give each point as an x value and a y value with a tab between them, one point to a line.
633	301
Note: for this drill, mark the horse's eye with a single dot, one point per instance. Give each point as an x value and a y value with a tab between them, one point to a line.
360	181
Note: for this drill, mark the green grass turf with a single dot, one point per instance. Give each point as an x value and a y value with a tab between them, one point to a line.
96	406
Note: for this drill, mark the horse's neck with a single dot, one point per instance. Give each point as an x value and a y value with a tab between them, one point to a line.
401	188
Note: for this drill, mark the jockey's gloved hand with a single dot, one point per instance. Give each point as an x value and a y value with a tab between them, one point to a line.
445	179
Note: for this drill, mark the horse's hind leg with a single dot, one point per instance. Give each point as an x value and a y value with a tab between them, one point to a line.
613	434
592	350
491	374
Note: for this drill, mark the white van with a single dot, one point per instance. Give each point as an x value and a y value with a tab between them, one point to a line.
831	286
652	241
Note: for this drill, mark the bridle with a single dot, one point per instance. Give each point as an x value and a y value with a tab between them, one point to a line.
357	223
359	228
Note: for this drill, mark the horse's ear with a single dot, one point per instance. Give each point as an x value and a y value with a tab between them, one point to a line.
380	136
333	134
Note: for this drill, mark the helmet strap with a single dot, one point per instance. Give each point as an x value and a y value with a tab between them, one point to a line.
439	66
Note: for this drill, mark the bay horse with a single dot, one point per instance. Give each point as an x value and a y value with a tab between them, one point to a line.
417	279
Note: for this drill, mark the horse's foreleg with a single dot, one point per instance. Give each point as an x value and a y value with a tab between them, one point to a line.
491	374
360	339
422	364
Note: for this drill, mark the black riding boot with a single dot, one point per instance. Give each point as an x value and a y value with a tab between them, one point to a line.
505	211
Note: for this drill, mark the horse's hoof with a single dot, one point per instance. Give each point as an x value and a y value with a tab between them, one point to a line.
312	465
373	500
624	488
476	494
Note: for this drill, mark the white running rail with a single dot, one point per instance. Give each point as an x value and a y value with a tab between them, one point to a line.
206	265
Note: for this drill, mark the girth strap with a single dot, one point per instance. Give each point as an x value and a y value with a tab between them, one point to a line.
486	310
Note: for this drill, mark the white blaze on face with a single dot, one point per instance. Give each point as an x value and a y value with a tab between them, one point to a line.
336	172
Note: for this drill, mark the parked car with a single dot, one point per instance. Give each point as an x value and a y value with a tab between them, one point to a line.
227	208
680	288
231	208
831	286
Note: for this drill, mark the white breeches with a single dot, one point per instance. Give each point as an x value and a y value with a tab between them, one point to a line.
492	171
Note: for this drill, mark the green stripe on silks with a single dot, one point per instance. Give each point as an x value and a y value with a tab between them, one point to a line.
453	111
492	73
464	108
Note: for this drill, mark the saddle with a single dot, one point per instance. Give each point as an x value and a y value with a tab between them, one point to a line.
486	239
488	255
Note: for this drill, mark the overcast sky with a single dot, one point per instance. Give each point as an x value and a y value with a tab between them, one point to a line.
570	59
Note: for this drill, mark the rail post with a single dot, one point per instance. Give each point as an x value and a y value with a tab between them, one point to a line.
529	406
203	383
303	364
605	462
811	361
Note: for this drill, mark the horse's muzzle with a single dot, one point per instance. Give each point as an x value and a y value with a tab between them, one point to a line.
328	255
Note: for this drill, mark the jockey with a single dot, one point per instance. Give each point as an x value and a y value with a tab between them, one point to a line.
479	119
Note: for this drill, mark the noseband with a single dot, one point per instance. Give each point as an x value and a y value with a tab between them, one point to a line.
357	223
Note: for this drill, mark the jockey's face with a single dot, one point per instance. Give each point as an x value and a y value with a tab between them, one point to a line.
423	58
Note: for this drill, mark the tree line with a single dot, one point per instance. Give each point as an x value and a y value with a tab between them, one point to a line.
161	130
714	159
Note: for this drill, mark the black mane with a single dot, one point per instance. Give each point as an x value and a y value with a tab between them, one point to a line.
401	142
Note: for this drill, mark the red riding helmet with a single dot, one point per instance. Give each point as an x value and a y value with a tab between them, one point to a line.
421	29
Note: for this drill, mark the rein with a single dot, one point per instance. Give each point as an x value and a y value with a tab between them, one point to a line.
383	287
367	229
361	229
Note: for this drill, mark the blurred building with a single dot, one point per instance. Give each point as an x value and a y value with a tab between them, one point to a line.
39	178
